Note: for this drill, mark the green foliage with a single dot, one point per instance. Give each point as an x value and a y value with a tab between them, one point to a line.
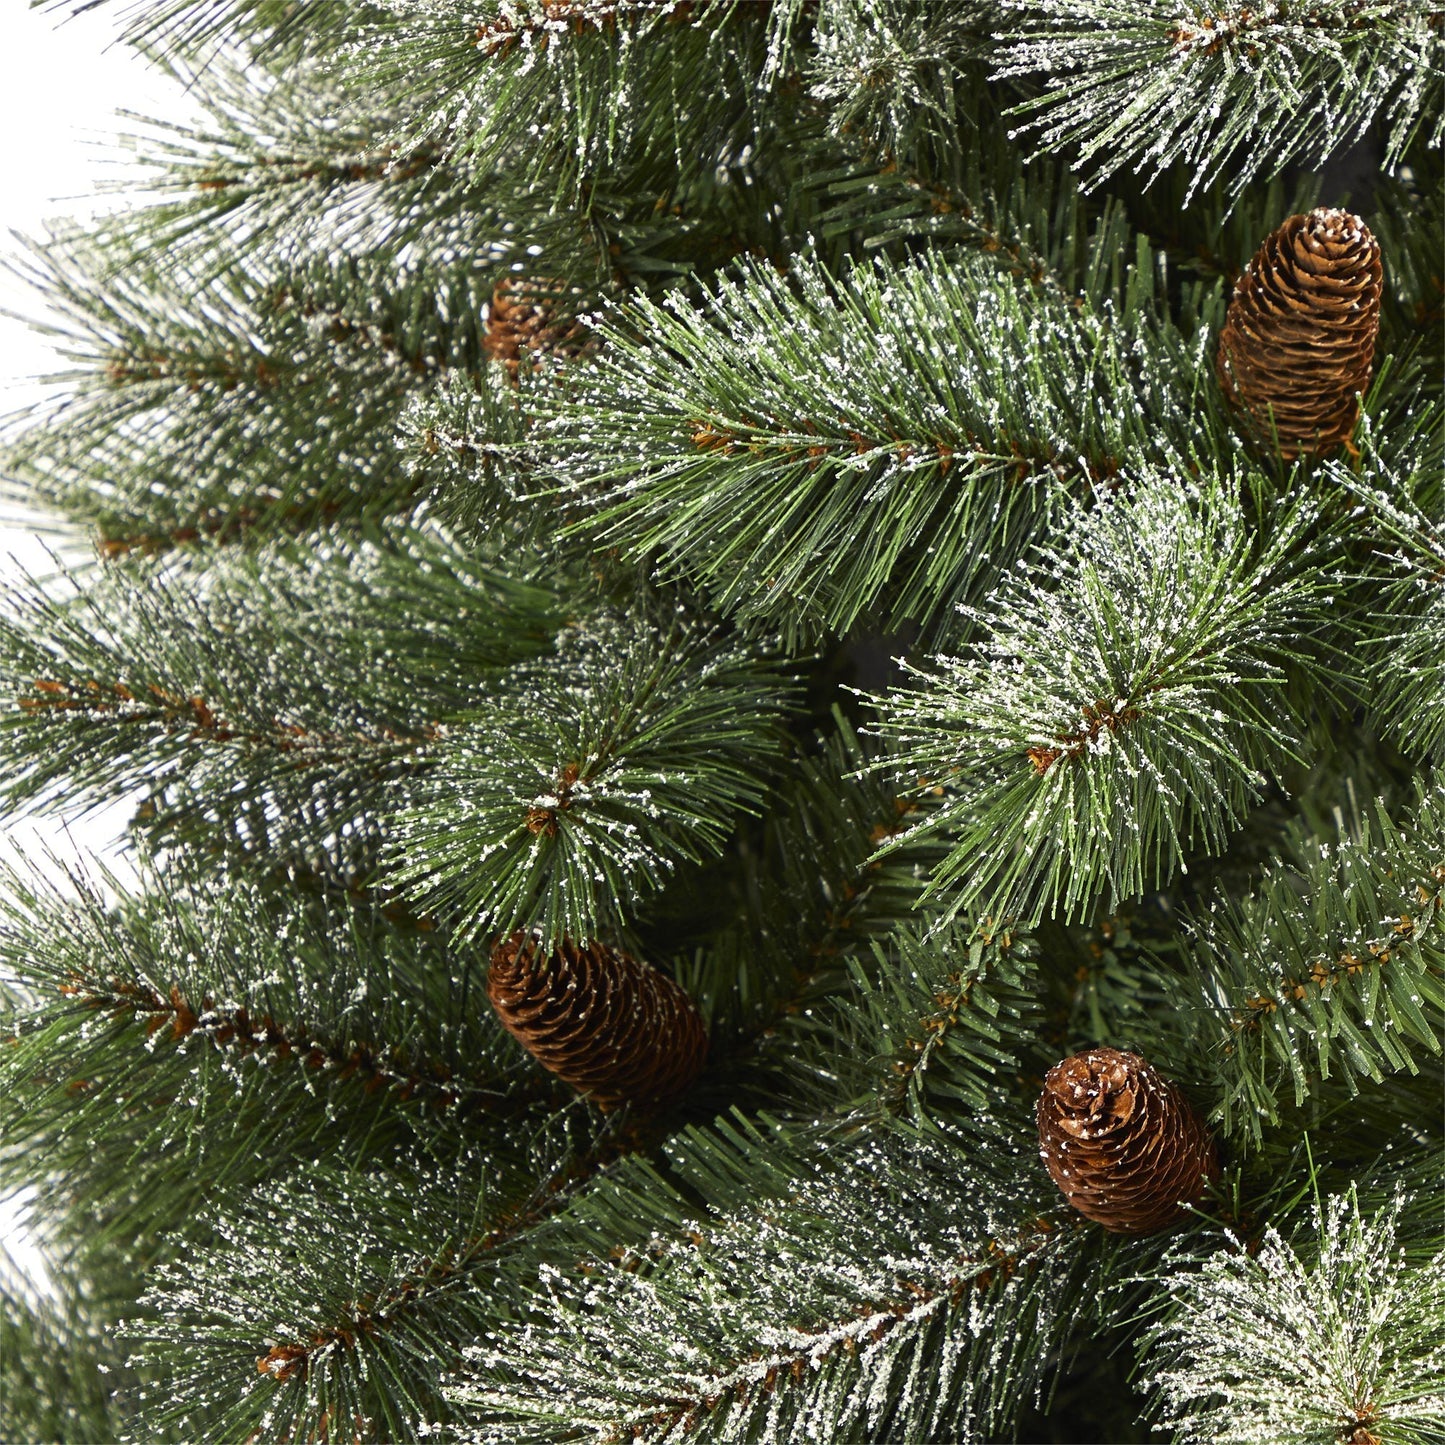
858	602
243	405
1327	1338
1332	967
310	156
298	153
1232	93
778	1321
464	447
804	899
940	1016
170	26
1408	210
1122	706
231	702
894	74
935	398
629	752
1404	651
349	1039
50	1345
600	88
361	1349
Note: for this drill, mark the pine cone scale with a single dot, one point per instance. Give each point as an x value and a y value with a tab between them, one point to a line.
527	321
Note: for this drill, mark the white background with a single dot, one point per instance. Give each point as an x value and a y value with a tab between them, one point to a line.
62	83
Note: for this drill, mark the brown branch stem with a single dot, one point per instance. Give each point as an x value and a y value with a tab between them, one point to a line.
1022	460
174	712
868	1324
238	1029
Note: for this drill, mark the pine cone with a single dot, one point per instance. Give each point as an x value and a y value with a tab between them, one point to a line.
1299	339
526	322
615	1029
1122	1143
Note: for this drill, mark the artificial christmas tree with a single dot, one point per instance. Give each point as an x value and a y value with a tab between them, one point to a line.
688	598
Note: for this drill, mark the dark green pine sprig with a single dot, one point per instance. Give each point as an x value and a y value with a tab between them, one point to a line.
464	445
598	89
1124	701
1402	642
359	1037
937	397
206	1091
260	403
312	157
44	1338
1328	1323
1231	95
1330	973
269	706
291	147
771	926
632	750
774	1321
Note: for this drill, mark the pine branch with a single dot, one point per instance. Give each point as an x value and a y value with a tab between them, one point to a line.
232	704
320	1309
1325	1339
634	750
198	408
63	1375
1403	641
930	399
1122	705
819	985
281	1075
580	91
101	720
373	1282
1028	222
870	1294
304	163
1234	95
325	154
939	1017
364	1034
1332	968
896	76
807	898
465	447
295	158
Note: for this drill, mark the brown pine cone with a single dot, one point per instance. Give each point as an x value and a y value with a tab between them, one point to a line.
1122	1143
615	1029
1298	343
526	322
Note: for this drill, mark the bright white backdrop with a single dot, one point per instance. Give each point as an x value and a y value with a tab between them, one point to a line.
63	82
